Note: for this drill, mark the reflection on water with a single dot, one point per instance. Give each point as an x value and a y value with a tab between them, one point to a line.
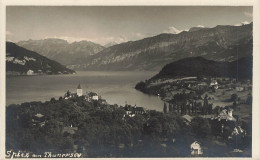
115	87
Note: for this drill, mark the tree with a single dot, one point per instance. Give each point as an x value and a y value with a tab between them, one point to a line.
234	97
205	105
26	120
216	110
170	108
178	108
174	108
52	100
200	127
192	106
210	108
199	76
140	86
164	108
249	99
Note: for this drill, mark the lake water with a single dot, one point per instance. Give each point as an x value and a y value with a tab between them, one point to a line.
115	87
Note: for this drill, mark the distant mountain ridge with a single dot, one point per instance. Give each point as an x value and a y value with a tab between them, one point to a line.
221	43
62	51
192	29
20	60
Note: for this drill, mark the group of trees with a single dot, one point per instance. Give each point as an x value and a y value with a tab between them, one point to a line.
101	129
105	130
188	106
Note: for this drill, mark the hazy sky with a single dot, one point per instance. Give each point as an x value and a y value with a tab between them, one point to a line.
107	24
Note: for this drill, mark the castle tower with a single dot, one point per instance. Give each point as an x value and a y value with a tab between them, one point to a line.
79	91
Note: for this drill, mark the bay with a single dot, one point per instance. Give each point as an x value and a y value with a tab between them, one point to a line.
116	87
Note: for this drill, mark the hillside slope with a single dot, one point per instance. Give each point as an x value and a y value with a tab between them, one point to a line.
195	66
19	61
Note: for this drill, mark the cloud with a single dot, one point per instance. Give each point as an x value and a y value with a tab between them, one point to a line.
9	36
242	23
245	22
172	30
8	33
201	26
248	14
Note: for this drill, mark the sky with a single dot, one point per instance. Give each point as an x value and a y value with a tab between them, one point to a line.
104	24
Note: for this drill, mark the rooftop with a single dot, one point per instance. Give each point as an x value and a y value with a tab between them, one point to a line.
39	115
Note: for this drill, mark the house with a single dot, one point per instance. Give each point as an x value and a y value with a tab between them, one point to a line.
67	95
87	98
239	89
238	131
214	84
226	115
95	98
79	91
132	111
202	85
103	101
138	110
38	120
69	129
30	72
196	149
187	119
129	111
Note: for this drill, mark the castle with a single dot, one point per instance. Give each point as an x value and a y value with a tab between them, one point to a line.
69	95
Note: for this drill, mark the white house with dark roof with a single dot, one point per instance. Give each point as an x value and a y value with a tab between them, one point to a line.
196	149
38	120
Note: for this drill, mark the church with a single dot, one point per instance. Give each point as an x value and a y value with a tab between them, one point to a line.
79	91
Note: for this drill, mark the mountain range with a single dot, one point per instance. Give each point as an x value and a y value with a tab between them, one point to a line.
222	43
62	51
20	60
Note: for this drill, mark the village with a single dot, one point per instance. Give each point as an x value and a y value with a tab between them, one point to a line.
226	117
225	102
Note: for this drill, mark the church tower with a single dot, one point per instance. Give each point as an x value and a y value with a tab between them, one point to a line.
79	91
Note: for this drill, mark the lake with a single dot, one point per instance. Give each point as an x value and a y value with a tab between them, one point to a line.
116	87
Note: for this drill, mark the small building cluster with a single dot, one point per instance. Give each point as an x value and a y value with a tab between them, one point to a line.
181	104
89	96
226	115
131	111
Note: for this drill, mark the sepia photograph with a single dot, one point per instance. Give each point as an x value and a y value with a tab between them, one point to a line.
157	81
